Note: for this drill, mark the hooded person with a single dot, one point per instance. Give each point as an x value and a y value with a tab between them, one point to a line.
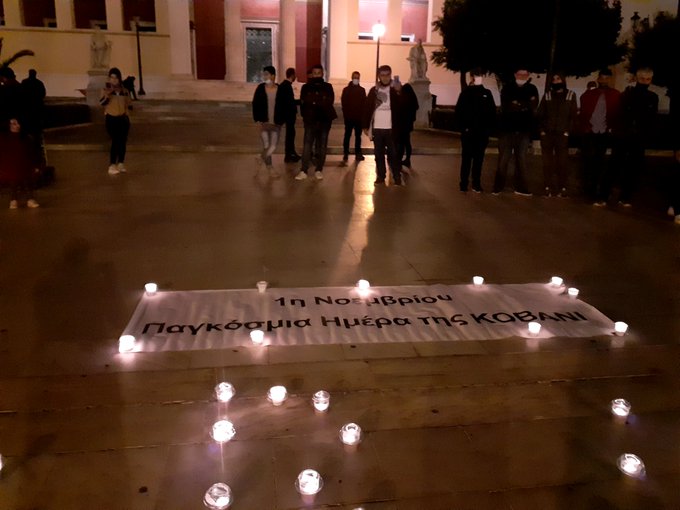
353	102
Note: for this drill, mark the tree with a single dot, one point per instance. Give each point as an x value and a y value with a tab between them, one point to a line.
576	37
19	54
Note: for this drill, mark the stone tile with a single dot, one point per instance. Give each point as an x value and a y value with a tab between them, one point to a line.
428	349
370	351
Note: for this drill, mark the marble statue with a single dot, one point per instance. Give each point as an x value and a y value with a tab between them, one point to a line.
418	60
100	50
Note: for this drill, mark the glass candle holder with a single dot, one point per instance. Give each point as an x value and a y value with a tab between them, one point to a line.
218	497
350	434
321	400
223	431
478	280
261	286
126	343
308	482
620	328
534	328
363	285
257	336
277	395
224	391
556	281
151	289
572	292
2	462
620	407
631	465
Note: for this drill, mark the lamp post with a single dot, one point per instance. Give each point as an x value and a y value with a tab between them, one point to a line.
139	60
378	31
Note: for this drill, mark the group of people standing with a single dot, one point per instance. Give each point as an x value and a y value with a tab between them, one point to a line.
386	114
608	119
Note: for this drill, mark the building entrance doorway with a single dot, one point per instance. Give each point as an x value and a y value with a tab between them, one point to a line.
260	49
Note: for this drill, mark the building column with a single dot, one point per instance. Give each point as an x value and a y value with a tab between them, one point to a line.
65	14
393	25
352	20
434	11
287	27
13	14
163	10
338	40
178	19
114	15
234	42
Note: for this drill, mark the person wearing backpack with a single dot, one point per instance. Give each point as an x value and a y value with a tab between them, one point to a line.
318	112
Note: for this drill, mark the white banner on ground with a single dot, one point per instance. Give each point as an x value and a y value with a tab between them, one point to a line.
218	319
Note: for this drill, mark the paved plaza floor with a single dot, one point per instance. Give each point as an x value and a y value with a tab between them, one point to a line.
468	425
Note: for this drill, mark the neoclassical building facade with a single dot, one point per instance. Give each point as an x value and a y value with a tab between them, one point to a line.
214	49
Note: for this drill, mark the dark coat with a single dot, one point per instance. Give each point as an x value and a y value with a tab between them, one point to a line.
19	159
261	108
557	112
316	102
353	102
589	100
409	107
518	108
395	108
638	109
476	110
286	97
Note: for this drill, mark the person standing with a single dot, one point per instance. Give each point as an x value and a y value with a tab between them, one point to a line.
599	113
638	109
410	106
289	106
33	93
353	102
519	101
556	116
381	117
476	115
116	102
18	164
268	115
318	112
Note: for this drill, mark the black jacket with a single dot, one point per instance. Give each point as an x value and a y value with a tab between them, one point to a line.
286	97
557	112
637	114
395	108
476	110
353	102
316	102
260	107
409	107
518	108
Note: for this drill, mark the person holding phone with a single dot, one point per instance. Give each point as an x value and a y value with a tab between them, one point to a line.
116	101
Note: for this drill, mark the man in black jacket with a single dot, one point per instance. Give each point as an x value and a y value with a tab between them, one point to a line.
382	117
316	106
476	115
519	101
353	101
289	106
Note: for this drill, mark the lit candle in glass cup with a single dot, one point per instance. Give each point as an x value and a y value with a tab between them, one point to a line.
218	497
224	391
277	395
151	289
620	328
2	463
321	400
126	343
631	465
363	285
556	281
223	431
478	280
262	286
257	336
534	328
350	434
620	407
573	292
309	482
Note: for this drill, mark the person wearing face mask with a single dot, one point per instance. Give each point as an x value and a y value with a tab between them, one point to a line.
116	102
475	116
318	112
382	117
598	115
556	117
519	101
269	115
353	101
638	110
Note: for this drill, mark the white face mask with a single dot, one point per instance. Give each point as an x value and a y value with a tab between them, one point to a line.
521	82
267	82
478	80
355	81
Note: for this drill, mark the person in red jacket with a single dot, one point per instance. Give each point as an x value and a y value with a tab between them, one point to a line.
18	164
598	117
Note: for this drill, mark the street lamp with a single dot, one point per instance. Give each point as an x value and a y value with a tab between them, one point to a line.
139	59
378	31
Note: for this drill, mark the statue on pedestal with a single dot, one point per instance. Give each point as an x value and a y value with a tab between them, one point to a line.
100	50
418	60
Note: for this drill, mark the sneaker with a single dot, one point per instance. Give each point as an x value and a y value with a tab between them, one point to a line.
406	163
396	181
360	158
496	193
477	190
32	204
301	176
547	193
671	211
625	204
599	203
292	158
318	175
13	204
462	188
379	181
113	170
121	168
677	219
563	193
345	158
523	193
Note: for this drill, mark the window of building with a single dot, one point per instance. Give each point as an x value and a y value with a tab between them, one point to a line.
141	11
39	13
2	14
90	13
370	13
414	20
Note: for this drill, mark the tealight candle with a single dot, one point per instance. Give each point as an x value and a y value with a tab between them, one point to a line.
573	292
620	407
363	285
350	434
262	286
631	465
534	328
556	281
224	391
620	328
321	400
151	289
126	343
277	395
308	482
218	497
257	336
223	431
1	462
478	280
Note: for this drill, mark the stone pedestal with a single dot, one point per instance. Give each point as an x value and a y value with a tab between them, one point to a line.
95	84
422	89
